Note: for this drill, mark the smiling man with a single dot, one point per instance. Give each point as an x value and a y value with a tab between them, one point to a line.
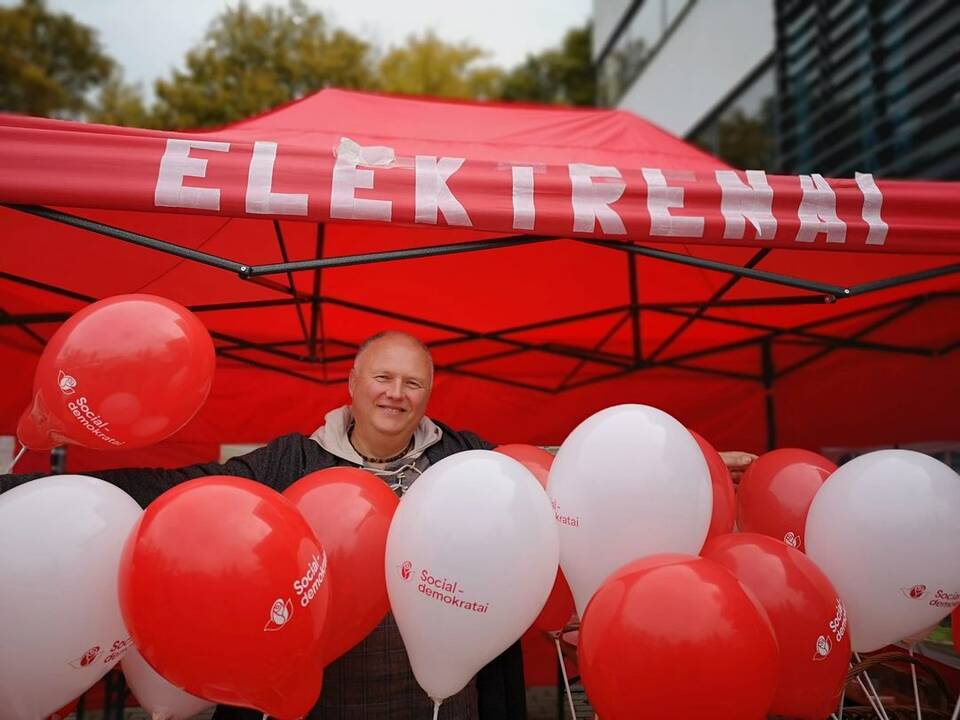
386	431
389	388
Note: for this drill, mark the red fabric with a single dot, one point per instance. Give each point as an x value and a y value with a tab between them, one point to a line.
119	168
463	303
540	661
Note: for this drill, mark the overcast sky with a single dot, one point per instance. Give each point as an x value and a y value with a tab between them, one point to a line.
149	37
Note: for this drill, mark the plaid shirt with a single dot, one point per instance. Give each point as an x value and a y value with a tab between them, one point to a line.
374	681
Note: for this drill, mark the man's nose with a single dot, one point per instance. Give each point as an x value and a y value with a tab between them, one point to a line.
395	388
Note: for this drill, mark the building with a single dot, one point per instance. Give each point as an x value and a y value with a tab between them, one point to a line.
792	86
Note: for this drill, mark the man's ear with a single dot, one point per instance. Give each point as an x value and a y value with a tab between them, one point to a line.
351	381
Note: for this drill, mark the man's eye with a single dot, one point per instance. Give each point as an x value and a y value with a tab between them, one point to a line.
414	385
379	377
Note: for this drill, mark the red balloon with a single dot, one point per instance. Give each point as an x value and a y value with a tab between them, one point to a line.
724	497
559	607
676	636
350	511
808	618
223	588
776	491
535	459
124	372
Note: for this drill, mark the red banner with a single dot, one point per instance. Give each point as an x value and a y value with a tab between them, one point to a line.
336	179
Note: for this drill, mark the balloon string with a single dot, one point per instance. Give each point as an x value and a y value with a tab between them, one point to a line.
881	711
566	680
869	697
916	690
436	709
23	449
843	696
956	711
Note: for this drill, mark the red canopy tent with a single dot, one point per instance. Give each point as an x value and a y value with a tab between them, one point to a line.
556	260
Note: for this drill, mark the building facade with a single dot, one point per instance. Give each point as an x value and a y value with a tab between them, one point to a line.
792	86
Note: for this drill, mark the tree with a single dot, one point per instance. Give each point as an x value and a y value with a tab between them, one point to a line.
49	62
252	61
559	75
120	103
426	65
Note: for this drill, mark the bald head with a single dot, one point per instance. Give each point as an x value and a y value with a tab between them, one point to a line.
391	337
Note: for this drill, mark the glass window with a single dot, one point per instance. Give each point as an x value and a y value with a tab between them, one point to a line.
742	132
633	47
873	88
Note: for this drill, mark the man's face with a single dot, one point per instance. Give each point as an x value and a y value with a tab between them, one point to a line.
390	387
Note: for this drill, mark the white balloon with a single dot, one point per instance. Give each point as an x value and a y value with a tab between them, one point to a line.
919	636
60	543
628	482
155	694
885	528
471	558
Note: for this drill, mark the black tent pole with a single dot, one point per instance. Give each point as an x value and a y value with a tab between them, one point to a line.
707	304
315	307
828	291
293	288
131	237
766	354
635	310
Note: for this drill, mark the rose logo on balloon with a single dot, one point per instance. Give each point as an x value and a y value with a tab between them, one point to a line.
406	569
67	383
792	539
824	646
88	657
280	614
916	592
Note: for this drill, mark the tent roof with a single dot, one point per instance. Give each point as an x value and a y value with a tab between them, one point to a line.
480	131
530	337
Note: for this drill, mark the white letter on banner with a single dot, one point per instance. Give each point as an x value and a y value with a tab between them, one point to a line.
261	199
432	191
347	177
660	198
591	201
818	211
524	211
872	202
753	202
175	165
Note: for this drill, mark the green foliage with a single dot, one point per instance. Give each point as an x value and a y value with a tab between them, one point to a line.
561	75
121	104
49	63
426	65
251	61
